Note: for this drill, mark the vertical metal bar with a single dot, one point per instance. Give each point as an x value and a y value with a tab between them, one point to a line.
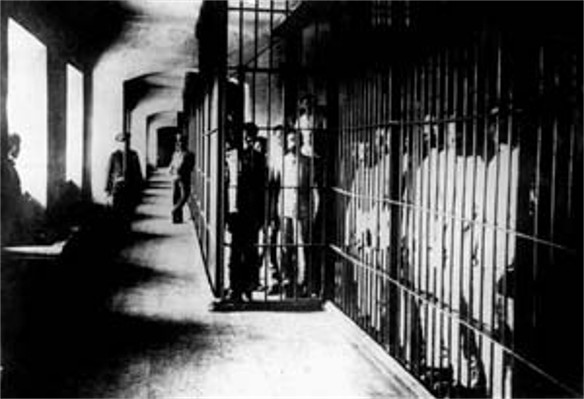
340	180
421	195
368	175
467	111
390	262
478	121
394	261
372	295
254	99
425	212
553	177
429	215
351	128
374	201
378	190
283	190
374	192
441	189
365	133
422	215
267	244
296	221
314	181
377	193
240	72
346	162
398	94
453	152
360	192
511	210
346	115
405	92
573	123
495	221
385	286
446	112
358	185
222	108
411	113
537	188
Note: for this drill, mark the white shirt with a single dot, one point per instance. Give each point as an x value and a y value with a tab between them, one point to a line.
290	186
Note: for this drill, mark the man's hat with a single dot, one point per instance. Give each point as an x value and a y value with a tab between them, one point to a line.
123	136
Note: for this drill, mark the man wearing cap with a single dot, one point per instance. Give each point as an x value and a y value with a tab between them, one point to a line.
124	177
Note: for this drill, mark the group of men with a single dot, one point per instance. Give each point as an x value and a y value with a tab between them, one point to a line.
272	218
274	198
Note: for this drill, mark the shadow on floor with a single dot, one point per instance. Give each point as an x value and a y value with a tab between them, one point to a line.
274	305
60	336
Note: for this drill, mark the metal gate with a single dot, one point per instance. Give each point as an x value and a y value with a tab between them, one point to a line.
266	240
448	151
458	170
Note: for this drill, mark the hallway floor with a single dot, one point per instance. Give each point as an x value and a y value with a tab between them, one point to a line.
145	328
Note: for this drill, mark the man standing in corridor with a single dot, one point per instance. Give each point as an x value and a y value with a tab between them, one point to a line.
124	176
181	167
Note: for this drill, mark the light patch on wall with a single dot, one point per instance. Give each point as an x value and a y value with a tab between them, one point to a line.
27	107
74	125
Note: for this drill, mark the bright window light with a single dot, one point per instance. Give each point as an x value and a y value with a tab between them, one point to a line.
74	125
27	108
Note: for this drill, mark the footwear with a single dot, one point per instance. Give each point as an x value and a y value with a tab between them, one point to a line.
177	216
288	290
275	289
234	297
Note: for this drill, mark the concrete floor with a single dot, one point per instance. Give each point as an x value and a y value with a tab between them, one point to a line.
139	324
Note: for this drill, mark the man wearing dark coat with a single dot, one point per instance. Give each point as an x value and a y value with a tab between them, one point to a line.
124	177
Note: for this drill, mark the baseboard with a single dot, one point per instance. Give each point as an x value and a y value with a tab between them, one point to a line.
377	354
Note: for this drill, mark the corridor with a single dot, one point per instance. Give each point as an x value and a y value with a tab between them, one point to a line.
146	329
381	198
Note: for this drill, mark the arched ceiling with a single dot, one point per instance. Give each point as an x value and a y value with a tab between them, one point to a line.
157	49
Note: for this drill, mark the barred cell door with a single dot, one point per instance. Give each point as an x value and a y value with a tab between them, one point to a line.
259	127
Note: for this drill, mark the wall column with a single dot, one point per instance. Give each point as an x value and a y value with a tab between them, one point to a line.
57	125
86	191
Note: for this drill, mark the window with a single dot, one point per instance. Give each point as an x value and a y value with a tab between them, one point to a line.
27	107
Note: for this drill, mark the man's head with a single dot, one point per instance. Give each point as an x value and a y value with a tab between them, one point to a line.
306	104
261	144
13	145
293	140
250	132
123	138
181	142
381	143
278	131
